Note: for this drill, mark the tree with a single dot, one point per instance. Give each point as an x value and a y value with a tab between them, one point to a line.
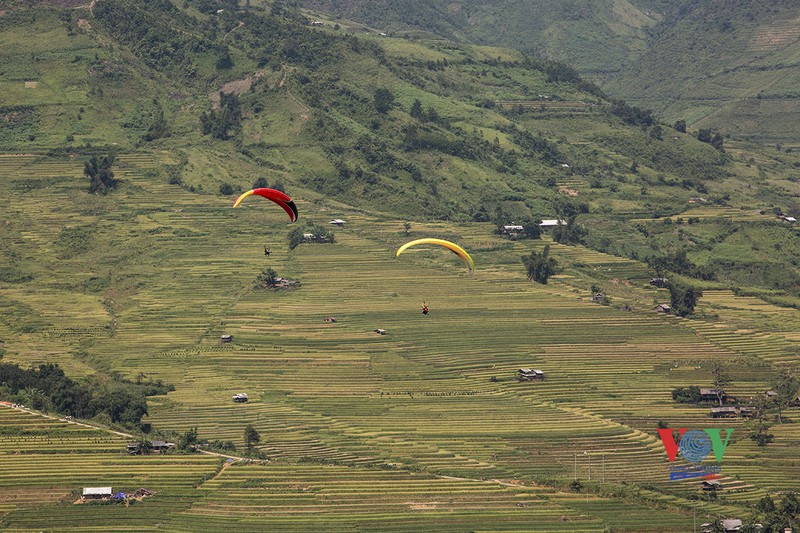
786	385
158	125
416	110
683	298
188	440
569	233
101	178
540	266
261	182
251	436
144	445
224	122
267	278
680	126
721	379
759	425
384	100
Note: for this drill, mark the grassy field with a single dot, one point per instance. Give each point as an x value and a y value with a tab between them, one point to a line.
399	431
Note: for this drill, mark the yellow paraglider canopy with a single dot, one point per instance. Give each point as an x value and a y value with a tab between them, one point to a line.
456	249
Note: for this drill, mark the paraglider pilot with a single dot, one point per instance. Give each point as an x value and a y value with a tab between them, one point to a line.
424	308
266	251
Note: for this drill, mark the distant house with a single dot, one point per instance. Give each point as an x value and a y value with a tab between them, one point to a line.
770	395
712	484
157	446
96	493
724	412
712	394
380	331
552	223
317	23
598	297
512	229
160	446
662	308
528	374
226	338
659	282
329	319
337	222
240	398
729	525
789	219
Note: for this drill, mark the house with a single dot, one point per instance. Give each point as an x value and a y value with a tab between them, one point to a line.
746	412
240	398
337	222
771	395
512	229
712	394
317	23
598	297
157	446
712	484
329	319
226	338
661	283
160	446
662	308
527	374
724	412
96	493
380	331
729	525
551	223
789	219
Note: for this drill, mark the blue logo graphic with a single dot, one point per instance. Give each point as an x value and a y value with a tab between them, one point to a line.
695	445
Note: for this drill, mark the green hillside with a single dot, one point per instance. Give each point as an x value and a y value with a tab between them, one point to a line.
425	427
725	65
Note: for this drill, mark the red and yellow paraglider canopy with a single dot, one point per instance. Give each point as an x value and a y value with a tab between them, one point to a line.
280	198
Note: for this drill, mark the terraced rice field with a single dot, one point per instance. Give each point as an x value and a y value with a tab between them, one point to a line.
400	431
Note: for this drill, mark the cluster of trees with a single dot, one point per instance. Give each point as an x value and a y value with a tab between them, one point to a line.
774	518
540	266
101	177
224	122
683	298
47	388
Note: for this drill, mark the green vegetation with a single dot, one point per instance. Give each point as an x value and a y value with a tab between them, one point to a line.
47	388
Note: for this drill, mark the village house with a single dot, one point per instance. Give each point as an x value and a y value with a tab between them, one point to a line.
240	398
712	484
661	283
329	319
552	223
724	412
528	374
337	222
712	395
156	446
729	525
97	493
662	308
226	338
511	229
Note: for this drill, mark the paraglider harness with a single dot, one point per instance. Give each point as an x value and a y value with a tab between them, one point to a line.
266	251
